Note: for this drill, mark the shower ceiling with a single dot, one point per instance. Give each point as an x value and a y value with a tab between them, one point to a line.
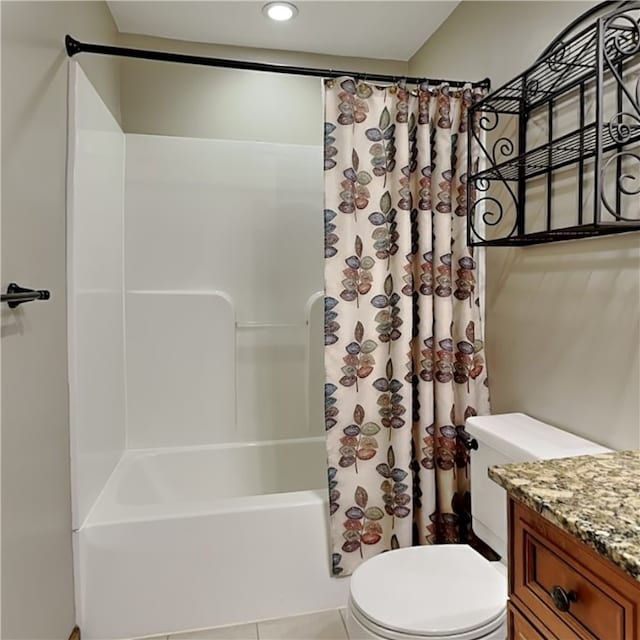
391	30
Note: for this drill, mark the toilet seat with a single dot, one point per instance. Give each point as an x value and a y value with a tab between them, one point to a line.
485	632
446	591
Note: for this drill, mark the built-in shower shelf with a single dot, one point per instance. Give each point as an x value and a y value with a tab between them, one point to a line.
270	325
178	292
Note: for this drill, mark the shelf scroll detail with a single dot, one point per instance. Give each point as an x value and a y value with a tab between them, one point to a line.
593	70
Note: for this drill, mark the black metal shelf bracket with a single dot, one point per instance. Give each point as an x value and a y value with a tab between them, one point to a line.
17	295
592	68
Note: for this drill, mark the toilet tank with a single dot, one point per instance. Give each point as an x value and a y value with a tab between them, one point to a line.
506	438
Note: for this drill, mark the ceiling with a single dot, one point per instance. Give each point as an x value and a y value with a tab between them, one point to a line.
392	29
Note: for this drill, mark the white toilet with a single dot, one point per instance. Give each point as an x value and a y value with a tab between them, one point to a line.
450	592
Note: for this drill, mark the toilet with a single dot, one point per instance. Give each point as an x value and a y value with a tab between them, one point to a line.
451	592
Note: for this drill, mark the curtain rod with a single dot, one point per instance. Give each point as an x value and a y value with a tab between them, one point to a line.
74	46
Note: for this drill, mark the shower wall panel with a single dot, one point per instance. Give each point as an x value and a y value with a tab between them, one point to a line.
95	219
238	224
180	364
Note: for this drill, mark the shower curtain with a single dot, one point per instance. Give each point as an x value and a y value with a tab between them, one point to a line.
404	356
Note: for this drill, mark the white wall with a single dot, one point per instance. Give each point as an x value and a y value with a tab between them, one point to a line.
195	305
243	217
37	586
223	254
562	320
95	271
223	269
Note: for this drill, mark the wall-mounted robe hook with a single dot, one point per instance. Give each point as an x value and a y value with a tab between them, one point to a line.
16	295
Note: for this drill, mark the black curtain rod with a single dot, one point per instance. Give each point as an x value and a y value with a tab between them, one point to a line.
74	46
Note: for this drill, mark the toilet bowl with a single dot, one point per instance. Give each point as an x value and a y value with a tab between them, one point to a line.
450	592
436	592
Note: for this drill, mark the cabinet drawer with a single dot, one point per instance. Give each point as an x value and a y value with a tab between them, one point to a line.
521	629
575	596
594	613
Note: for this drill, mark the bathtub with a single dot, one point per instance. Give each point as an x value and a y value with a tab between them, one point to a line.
195	537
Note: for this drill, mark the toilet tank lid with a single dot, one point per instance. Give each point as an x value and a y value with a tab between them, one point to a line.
520	437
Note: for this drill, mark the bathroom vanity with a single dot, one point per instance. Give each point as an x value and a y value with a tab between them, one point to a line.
574	547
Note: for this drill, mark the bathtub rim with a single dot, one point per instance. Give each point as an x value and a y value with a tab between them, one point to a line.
201	508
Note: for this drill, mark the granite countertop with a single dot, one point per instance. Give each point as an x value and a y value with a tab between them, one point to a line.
594	498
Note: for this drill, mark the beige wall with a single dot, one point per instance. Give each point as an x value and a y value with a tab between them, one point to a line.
192	101
37	594
37	584
562	319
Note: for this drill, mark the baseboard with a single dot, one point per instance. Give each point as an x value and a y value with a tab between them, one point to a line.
75	634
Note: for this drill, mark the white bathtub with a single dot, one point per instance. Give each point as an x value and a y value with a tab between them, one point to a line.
197	537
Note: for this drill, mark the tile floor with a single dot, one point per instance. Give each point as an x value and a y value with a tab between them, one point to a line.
324	625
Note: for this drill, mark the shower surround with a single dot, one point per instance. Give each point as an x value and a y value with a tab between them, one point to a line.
196	376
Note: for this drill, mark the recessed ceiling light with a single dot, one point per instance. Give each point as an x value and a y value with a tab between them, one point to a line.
280	11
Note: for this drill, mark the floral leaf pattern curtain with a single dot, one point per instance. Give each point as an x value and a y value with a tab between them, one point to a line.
404	357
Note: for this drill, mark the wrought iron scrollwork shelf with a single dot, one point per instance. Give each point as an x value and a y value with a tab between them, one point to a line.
593	71
558	154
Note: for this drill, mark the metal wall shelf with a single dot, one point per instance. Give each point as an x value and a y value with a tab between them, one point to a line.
596	69
566	65
578	232
561	152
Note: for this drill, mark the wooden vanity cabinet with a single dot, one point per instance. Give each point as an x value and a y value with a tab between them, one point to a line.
560	589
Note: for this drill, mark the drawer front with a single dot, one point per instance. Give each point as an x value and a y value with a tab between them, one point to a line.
589	608
552	577
521	629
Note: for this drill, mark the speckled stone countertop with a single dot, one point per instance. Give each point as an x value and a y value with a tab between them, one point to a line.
594	498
